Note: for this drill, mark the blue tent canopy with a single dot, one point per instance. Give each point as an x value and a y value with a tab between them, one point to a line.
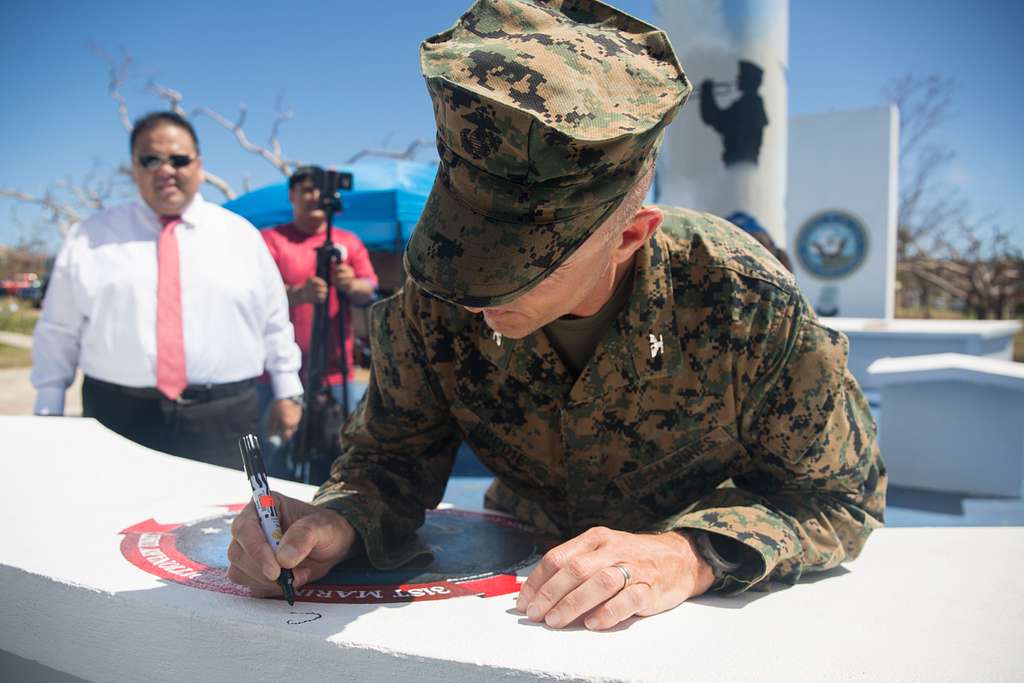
382	209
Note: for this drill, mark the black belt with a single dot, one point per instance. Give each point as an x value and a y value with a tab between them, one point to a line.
194	393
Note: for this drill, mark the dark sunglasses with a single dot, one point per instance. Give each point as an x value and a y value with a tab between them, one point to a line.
151	162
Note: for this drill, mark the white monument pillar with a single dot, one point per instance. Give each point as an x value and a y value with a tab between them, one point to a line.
726	153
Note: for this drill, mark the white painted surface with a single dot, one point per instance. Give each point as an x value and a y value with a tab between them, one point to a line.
953	422
920	604
710	38
985	329
873	338
945	367
848	161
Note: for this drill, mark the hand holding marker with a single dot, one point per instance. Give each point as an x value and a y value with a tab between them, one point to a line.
252	461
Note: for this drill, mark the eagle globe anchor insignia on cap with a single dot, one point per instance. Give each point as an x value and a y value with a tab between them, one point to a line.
547	114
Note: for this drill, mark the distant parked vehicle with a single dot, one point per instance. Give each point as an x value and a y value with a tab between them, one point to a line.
20	282
33	293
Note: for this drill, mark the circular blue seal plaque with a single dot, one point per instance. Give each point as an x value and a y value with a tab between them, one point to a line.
832	244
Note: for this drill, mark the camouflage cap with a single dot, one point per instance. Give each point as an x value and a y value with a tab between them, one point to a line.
547	112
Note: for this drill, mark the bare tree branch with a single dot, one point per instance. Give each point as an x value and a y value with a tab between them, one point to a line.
219	183
282	117
924	104
61	213
65	202
408	153
118	75
237	128
978	265
171	96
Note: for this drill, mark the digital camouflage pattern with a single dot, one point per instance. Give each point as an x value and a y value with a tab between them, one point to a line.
716	401
547	114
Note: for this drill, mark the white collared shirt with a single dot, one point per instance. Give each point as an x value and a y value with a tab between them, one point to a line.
100	308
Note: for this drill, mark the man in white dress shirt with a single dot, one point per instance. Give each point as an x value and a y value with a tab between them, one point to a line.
172	307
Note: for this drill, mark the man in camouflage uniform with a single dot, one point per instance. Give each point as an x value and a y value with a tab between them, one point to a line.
647	383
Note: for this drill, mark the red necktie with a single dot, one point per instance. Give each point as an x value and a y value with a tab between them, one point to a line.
171	379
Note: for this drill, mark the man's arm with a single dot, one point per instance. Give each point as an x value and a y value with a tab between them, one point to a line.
815	493
282	357
817	487
399	449
400	443
709	110
56	340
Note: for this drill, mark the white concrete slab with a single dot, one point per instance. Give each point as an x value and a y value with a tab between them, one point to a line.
921	604
949	367
871	339
952	422
927	327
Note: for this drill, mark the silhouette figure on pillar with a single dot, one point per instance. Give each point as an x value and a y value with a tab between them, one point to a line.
742	124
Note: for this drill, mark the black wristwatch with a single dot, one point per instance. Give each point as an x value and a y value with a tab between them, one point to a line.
720	567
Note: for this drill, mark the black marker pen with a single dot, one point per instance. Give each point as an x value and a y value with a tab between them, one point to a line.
252	461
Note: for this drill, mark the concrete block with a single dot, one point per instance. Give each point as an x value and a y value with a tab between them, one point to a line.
917	605
952	422
872	339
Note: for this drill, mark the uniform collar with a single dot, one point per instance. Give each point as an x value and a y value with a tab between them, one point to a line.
641	345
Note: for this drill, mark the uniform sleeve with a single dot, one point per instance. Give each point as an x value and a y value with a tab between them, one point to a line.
816	486
56	341
399	445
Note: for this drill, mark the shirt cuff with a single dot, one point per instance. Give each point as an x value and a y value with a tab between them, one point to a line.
49	401
286	384
384	553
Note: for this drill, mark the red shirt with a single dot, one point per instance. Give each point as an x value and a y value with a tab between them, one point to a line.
294	252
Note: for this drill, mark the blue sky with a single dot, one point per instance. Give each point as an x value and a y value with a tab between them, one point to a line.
350	72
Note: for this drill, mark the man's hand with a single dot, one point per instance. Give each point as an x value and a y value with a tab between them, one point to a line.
312	291
314	540
285	415
580	578
343	276
358	290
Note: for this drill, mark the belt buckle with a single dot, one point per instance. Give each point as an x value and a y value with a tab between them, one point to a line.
184	401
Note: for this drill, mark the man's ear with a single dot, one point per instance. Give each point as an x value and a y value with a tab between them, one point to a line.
640	228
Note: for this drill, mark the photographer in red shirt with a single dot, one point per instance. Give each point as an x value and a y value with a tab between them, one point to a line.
293	247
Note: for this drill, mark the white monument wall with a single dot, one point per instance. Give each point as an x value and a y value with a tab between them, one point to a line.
845	164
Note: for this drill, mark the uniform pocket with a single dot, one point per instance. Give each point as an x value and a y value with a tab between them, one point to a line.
671	483
488	446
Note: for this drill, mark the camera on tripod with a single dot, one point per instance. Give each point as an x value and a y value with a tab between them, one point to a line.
317	439
330	183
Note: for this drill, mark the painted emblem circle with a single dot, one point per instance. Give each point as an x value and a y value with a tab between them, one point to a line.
473	553
832	244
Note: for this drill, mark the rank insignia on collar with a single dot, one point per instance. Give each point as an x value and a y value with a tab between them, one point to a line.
657	345
496	336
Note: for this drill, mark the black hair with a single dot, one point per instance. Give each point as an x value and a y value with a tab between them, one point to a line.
301	173
155	119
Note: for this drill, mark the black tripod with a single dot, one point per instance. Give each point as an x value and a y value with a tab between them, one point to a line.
316	441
